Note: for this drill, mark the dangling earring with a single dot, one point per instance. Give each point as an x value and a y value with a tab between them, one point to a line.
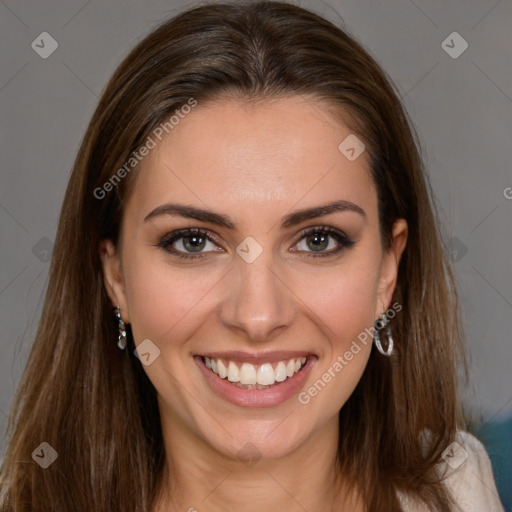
121	341
379	325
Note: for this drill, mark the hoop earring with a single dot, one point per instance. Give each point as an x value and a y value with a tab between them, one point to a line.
121	341
383	321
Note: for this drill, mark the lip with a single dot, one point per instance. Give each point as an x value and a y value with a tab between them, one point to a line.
275	395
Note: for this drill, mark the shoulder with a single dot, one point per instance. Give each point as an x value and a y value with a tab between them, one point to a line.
467	474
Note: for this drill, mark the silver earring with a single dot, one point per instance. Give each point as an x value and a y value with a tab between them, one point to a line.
379	325
121	341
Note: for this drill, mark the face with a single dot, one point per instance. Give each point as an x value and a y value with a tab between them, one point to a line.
252	241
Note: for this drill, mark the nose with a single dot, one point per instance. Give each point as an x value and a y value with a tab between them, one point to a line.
259	303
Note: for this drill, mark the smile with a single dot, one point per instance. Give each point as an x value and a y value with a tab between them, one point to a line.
250	376
249	380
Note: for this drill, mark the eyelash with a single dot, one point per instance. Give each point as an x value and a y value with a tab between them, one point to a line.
166	242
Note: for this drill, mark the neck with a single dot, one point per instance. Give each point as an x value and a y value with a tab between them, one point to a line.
196	477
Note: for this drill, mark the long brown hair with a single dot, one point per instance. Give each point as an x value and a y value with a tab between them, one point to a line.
94	403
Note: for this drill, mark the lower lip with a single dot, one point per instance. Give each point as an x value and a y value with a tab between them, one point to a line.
267	397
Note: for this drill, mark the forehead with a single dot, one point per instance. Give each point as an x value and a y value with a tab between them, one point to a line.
239	155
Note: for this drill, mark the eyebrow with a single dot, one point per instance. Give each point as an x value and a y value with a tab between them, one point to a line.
291	219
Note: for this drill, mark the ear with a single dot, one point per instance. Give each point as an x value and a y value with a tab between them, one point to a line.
389	264
113	278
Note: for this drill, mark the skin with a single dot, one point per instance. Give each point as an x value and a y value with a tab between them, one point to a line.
255	163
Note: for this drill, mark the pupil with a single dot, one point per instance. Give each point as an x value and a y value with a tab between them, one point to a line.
319	241
194	243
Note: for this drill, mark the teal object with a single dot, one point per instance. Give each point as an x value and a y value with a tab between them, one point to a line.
496	435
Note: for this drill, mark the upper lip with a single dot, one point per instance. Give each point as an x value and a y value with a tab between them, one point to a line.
258	358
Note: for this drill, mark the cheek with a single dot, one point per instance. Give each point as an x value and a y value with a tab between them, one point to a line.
346	310
346	305
165	302
168	306
343	298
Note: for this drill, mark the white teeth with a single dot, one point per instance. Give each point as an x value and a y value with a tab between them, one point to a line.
233	372
223	371
280	372
247	374
254	377
266	375
290	368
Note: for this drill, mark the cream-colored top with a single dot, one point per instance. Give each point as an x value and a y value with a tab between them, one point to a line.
469	478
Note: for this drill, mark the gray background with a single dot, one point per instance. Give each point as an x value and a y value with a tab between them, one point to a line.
462	108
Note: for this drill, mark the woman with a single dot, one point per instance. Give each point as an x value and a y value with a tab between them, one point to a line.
250	200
